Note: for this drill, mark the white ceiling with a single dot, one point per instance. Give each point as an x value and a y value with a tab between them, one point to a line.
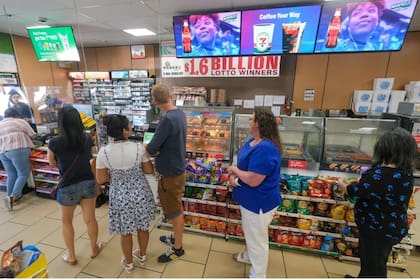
100	22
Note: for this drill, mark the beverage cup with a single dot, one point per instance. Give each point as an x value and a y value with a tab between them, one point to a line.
292	36
263	37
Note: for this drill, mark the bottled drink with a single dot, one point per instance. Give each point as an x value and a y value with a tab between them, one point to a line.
186	37
334	29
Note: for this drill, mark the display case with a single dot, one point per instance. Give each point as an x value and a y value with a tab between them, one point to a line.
209	132
349	143
302	139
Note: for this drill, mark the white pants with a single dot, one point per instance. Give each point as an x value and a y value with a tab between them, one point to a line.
255	227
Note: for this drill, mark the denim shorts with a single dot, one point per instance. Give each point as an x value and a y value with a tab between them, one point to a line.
72	194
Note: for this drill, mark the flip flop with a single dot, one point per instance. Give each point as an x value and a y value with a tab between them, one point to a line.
240	257
66	259
99	247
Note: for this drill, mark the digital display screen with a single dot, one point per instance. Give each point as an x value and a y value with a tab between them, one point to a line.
209	34
119	75
352	26
279	30
54	43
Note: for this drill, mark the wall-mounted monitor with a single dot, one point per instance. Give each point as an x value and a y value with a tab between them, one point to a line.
135	74
54	43
279	30
368	26
119	74
209	34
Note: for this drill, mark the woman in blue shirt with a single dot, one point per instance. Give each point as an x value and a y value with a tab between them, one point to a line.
256	188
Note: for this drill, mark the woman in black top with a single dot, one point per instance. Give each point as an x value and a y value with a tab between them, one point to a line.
382	196
71	153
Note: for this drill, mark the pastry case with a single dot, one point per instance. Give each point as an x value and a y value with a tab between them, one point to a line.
209	132
349	143
302	139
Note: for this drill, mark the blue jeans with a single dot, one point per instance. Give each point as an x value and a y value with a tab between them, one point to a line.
17	166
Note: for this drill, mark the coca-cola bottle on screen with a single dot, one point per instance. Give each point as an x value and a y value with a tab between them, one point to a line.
186	37
334	29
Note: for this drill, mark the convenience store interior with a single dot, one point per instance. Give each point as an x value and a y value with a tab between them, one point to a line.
36	221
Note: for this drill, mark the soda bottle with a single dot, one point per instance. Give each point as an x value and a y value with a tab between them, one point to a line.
334	29
186	37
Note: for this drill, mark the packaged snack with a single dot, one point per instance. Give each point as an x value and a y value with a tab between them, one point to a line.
295	238
350	214
294	186
312	241
302	207
321	209
288	205
282	237
338	211
328	244
303	223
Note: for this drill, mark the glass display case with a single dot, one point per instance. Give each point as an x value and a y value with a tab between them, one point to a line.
302	139
349	143
209	132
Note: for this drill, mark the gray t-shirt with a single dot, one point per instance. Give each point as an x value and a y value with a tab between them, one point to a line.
169	140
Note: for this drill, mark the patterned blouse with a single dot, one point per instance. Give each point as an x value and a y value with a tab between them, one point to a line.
382	196
15	134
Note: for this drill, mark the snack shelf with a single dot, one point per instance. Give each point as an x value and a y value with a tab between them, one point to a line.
209	202
223	219
45	180
233	206
205	186
3	173
315	199
188	228
39	159
56	172
286	246
322	233
319	218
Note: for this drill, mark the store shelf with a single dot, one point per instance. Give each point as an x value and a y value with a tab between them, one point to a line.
39	159
286	246
315	199
206	186
319	218
322	233
56	172
212	217
209	202
37	179
188	228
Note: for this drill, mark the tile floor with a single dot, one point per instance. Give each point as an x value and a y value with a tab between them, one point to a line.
36	221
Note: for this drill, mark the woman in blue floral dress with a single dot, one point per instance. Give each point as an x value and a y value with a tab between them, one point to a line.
131	203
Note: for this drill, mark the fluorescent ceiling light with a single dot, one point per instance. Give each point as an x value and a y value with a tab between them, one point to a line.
38	26
139	32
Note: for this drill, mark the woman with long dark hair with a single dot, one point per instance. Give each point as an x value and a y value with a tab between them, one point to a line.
71	153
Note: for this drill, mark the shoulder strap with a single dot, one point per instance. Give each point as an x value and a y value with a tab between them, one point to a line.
107	159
